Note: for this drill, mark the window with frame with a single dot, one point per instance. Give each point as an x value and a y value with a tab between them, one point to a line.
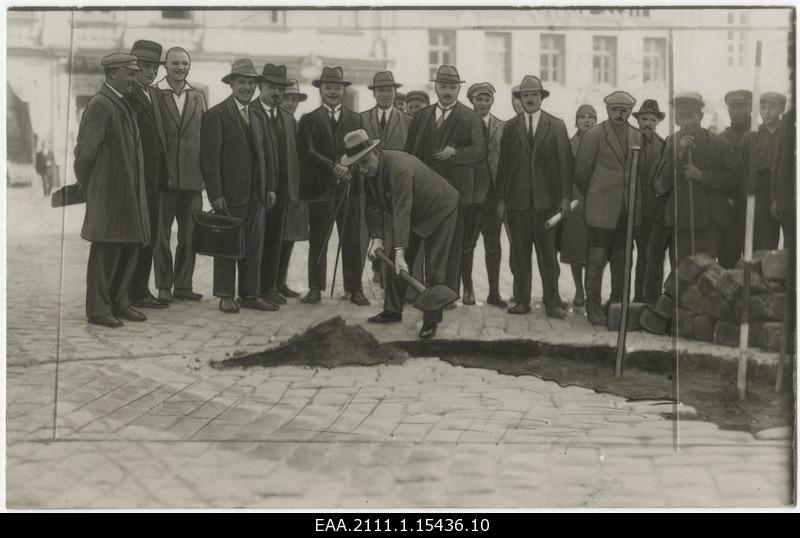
654	61
552	55
604	60
497	49
441	50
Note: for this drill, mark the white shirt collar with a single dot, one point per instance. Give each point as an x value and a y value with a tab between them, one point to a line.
386	111
115	91
164	85
334	110
446	108
239	104
486	119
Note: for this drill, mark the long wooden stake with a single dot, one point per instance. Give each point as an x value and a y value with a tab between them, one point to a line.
626	269
744	328
692	244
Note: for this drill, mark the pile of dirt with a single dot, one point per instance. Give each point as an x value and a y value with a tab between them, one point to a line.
329	344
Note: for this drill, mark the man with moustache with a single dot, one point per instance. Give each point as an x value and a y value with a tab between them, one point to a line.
766	228
295	227
652	236
143	100
320	144
481	216
282	137
602	171
110	169
181	108
415	101
240	180
534	182
448	137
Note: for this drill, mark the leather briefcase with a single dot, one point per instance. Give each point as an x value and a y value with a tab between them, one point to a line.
218	235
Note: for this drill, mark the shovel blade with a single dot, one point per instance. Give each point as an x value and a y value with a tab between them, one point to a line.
435	298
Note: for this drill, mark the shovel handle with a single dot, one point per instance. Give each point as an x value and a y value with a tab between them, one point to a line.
416	284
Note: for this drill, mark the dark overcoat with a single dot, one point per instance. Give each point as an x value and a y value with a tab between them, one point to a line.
291	159
148	117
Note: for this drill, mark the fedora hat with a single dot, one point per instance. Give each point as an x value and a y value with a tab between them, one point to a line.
243	67
383	79
357	144
275	74
530	84
447	74
649	106
333	75
294	89
147	51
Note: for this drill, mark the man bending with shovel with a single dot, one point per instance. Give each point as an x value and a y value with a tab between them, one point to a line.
422	206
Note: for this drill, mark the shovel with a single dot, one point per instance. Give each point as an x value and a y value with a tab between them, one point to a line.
429	299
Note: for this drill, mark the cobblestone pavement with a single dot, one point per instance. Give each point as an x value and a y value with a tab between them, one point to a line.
142	420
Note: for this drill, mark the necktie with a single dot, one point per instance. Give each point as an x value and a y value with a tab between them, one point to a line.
485	131
333	120
245	117
274	115
440	121
383	121
530	130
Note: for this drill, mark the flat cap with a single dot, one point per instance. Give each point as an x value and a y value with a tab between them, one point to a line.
619	98
689	99
399	97
479	88
774	97
419	96
739	97
121	59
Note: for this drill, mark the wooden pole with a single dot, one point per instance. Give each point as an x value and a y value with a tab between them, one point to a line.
692	244
744	328
626	269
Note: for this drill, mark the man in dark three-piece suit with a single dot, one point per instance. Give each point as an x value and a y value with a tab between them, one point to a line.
240	180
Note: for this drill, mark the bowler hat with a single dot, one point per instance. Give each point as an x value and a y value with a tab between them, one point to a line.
147	51
294	89
383	79
649	106
243	67
739	97
120	59
447	74
689	100
479	88
530	84
418	95
357	144
276	74
332	75
774	97
619	98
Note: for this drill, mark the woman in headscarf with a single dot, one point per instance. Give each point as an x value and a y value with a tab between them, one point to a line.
575	235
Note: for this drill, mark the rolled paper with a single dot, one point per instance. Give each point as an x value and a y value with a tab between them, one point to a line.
555	219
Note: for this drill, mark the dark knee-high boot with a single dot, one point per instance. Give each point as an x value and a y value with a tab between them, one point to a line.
466	277
617	263
493	260
598	256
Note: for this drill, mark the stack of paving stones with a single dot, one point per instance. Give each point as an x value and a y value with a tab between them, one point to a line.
710	306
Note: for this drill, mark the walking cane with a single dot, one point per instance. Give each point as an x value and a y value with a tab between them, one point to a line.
691	205
343	234
626	269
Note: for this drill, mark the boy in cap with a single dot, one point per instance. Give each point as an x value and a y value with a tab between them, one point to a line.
400	101
415	101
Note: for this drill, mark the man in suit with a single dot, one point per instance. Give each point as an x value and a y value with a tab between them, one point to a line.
143	101
602	170
410	202
480	217
282	137
320	143
534	182
181	108
448	137
110	168
708	161
240	179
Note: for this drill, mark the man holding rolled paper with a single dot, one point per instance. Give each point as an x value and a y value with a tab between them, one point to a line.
534	183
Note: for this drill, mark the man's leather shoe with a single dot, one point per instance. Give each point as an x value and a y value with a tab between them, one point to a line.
131	315
427	331
521	308
386	317
496	300
554	312
579	300
287	292
228	305
106	321
272	296
165	296
150	302
357	297
313	296
562	305
187	295
258	304
468	298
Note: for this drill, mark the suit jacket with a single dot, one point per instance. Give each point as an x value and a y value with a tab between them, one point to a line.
486	171
650	156
109	164
290	160
181	135
602	170
463	131
152	144
232	155
537	177
721	179
320	149
417	198
394	137
782	189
